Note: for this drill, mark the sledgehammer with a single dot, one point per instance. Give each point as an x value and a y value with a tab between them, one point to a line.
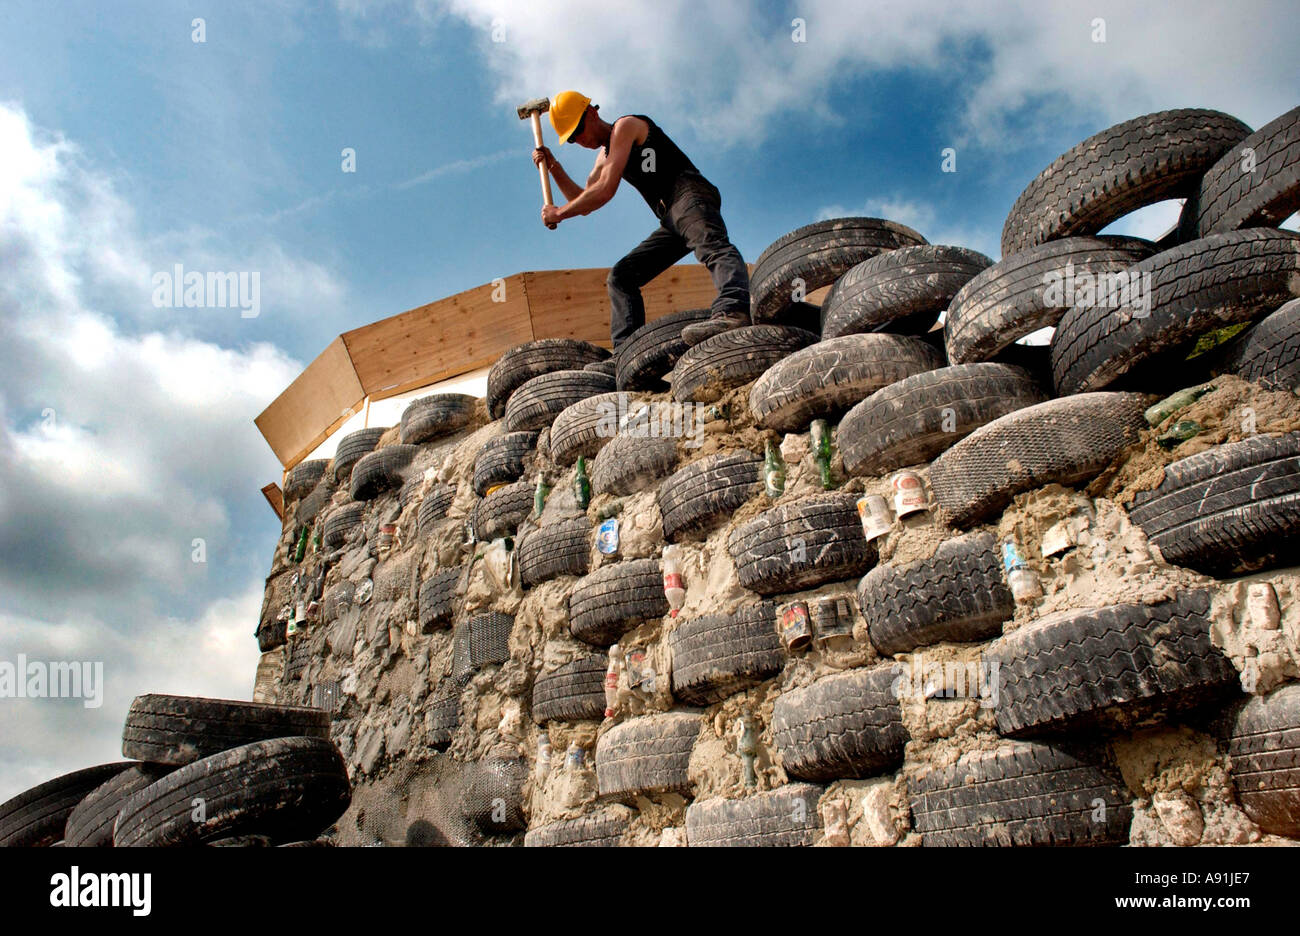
535	109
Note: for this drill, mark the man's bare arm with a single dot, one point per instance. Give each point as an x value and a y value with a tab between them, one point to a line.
598	192
570	188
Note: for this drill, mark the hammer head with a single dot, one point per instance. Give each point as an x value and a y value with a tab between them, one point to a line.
537	106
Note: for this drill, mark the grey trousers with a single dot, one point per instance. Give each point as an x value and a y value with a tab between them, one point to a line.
692	223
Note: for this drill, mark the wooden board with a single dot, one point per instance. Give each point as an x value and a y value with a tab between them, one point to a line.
275	497
300	418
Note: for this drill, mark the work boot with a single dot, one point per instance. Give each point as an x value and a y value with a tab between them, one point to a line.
714	325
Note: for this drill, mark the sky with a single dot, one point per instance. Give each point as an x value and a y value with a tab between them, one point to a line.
128	146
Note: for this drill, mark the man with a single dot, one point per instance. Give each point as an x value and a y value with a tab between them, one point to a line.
687	205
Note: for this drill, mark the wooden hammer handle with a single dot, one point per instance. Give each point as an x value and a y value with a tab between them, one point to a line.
546	175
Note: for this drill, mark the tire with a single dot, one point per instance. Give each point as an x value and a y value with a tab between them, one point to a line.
314	502
285	788
535	405
502	511
629	463
1264	747
494	795
603	829
572	692
562	548
956	595
1139	162
380	471
652	350
818	254
727	360
336	600
442	719
90	824
602	367
615	598
801	545
524	362
502	460
917	418
340	523
488	638
1200	286
696	498
303	477
1269	354
1010	299
1022	793
434	506
296	658
1109	666
36	818
1062	441
435	416
1231	509
829	377
900	291
846	725
351	447
781	818
438	598
1230	199
585	427
719	655
178	730
649	754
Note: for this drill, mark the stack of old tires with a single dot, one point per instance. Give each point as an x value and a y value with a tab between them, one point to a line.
203	772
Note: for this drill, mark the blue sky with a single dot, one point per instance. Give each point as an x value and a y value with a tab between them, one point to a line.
126	147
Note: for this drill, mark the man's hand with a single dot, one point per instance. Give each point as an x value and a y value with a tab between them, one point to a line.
542	155
551	215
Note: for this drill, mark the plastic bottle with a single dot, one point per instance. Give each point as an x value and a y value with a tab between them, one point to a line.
611	679
773	471
820	433
543	755
582	485
673	589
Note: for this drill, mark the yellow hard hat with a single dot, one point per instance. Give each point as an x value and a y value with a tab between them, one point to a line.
567	109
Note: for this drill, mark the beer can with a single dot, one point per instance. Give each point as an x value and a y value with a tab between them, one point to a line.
832	616
873	510
909	493
607	536
795	625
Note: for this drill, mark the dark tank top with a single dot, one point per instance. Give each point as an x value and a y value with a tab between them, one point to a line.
672	169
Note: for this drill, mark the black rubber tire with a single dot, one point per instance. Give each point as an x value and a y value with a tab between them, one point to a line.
1230	199
382	470
718	655
339	524
303	477
296	657
728	360
649	754
442	718
494	795
351	447
1138	162
535	405
1197	287
434	506
818	254
698	497
782	818
1022	793
585	427
826	379
1009	300
917	418
435	416
958	594
314	502
438	598
1264	747
900	291
271	634
562	548
1269	354
408	492
602	829
801	545
336	600
572	692
846	725
615	598
606	367
1231	509
502	459
652	350
178	730
502	511
524	362
1063	441
1109	666
285	788
90	824
628	463
36	818
488	638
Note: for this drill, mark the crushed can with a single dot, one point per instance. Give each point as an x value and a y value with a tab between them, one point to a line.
794	625
832	616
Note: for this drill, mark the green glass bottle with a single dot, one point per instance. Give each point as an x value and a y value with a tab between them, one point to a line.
820	433
582	485
302	545
773	471
539	495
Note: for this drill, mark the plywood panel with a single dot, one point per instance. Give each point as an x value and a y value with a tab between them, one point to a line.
275	497
315	400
